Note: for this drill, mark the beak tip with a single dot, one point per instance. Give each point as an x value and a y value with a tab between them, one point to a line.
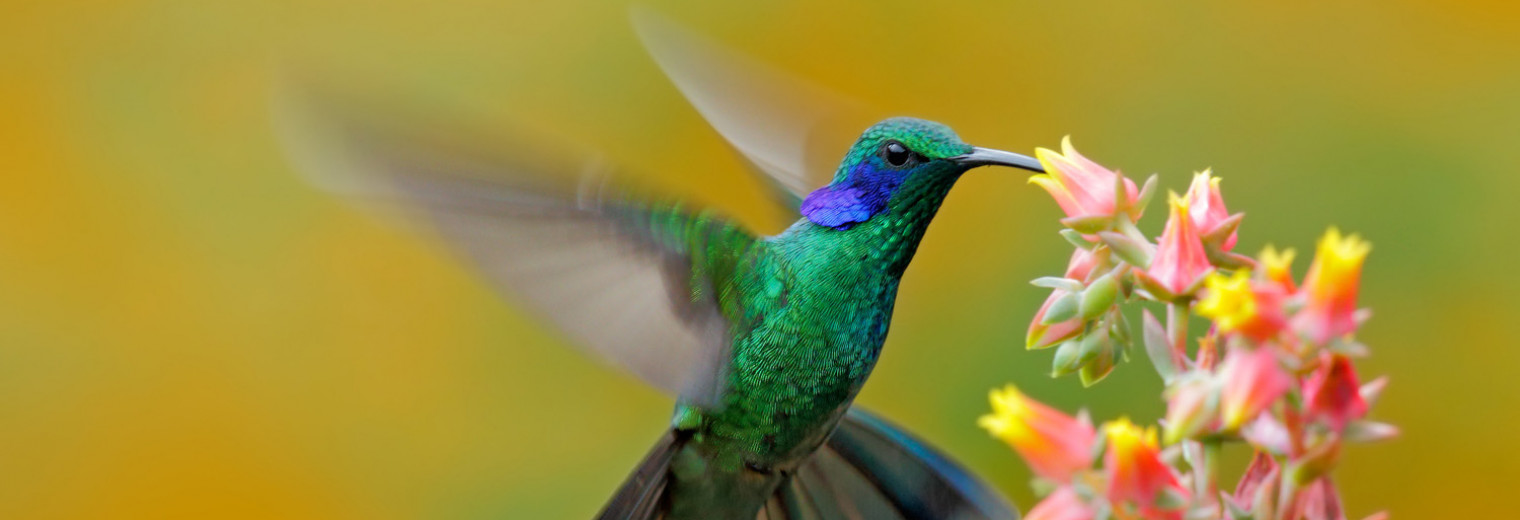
987	157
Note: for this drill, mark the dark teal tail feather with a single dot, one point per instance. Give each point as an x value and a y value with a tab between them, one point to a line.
642	494
841	490
918	480
868	469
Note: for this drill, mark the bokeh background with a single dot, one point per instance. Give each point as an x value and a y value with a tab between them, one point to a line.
187	329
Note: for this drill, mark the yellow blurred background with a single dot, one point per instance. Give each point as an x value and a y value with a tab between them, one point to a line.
187	329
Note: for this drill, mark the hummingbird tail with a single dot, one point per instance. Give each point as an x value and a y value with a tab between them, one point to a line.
641	496
869	468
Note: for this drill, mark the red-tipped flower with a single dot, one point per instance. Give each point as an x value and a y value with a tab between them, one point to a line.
1136	473
1331	286
1063	504
1333	393
1206	207
1253	379
1180	262
1054	444
1042	335
1081	187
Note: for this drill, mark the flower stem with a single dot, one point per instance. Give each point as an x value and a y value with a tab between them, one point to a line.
1294	423
1125	227
1211	448
1287	496
1176	329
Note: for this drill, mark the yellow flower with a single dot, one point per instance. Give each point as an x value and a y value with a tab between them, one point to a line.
1331	287
1228	300
1237	304
1126	436
1054	444
1134	467
1337	263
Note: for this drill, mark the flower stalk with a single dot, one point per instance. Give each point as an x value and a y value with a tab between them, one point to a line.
1176	327
1275	373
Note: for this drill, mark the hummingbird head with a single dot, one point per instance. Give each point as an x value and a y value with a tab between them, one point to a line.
899	163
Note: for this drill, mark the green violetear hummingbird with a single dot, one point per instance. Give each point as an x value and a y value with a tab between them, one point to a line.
765	339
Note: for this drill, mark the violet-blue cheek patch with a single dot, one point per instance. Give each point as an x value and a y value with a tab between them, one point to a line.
862	195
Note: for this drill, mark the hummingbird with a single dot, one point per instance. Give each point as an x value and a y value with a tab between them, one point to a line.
765	340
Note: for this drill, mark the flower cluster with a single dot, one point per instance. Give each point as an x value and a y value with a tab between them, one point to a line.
1274	371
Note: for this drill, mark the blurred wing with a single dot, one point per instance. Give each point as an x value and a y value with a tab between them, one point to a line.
792	131
629	281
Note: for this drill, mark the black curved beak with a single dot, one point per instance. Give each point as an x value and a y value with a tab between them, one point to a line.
987	157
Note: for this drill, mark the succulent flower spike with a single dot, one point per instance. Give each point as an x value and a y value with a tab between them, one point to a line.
1330	288
1055	445
1084	189
1274	370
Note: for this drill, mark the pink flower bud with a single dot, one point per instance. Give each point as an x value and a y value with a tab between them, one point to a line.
1206	207
1055	445
1042	335
1063	504
1253	380
1330	288
1180	261
1318	501
1192	404
1257	490
1081	187
1332	393
1136	473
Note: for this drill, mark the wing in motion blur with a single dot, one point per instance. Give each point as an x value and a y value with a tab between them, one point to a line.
790	130
629	280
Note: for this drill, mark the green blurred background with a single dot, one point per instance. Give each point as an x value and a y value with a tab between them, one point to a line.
189	330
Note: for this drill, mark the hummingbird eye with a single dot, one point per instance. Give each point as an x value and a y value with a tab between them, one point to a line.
896	154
